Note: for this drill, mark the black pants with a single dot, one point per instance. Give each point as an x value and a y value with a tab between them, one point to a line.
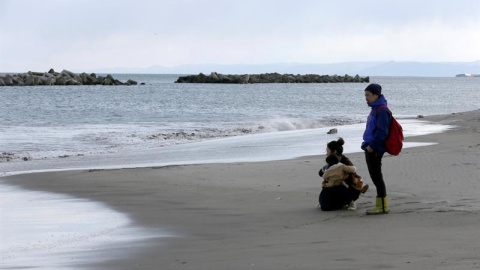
374	164
334	198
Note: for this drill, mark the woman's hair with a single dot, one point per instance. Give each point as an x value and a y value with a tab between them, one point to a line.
336	146
332	160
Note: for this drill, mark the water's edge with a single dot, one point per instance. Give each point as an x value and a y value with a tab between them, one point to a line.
243	144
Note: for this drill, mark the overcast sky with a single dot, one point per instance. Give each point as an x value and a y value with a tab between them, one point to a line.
88	34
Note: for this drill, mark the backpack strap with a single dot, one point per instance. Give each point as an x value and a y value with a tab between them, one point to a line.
383	106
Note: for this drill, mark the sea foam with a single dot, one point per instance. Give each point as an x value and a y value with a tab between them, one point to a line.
279	145
44	230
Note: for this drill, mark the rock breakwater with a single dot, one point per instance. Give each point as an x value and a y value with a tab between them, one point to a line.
270	78
59	78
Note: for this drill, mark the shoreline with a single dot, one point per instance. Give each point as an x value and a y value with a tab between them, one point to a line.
274	146
262	214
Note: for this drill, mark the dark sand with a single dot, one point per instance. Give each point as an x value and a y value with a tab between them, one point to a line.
263	215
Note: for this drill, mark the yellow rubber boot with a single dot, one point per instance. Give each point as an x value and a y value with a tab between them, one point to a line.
381	207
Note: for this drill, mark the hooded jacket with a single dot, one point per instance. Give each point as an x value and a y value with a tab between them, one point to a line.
378	126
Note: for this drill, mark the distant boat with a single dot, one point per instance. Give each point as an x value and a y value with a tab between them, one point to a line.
468	75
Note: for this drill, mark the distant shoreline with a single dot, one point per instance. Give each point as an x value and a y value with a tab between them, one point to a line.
467	75
363	68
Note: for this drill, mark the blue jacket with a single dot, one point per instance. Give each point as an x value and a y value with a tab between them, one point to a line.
378	126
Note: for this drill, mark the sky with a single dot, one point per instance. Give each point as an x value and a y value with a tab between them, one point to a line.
89	34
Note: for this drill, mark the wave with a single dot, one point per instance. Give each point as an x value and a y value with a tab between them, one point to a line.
271	125
110	139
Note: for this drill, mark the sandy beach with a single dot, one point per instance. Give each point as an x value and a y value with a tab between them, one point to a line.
263	215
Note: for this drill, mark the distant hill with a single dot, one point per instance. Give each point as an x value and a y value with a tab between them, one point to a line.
390	68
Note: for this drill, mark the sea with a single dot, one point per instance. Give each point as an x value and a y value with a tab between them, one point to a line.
54	128
62	127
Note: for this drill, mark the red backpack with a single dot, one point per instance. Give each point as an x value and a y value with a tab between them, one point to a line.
394	142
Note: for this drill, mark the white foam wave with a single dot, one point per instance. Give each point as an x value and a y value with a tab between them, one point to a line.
253	147
37	143
45	230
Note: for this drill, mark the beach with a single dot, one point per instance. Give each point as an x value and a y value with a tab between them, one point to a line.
263	215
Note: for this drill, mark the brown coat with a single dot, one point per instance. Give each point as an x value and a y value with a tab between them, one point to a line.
336	174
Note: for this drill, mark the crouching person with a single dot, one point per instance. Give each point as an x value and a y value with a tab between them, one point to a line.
336	194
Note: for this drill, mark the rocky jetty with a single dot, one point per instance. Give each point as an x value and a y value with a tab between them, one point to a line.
59	78
270	78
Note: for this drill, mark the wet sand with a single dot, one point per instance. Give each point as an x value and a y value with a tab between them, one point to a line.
262	215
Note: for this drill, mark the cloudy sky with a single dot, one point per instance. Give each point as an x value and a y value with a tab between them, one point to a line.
88	34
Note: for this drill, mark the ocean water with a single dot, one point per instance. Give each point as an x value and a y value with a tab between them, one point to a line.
61	123
41	230
162	123
248	148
